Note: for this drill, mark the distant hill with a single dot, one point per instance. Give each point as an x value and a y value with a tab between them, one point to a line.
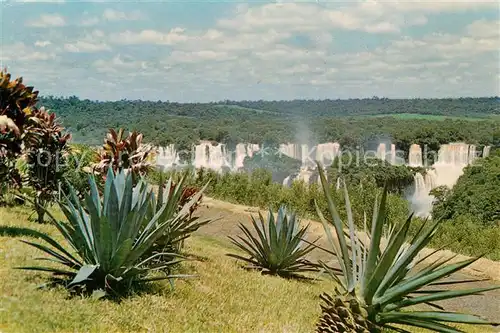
355	122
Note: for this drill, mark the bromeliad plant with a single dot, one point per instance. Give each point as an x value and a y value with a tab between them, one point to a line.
112	236
377	285
278	247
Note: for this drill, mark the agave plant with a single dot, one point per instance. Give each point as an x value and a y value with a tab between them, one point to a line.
110	236
124	153
376	287
278	248
178	198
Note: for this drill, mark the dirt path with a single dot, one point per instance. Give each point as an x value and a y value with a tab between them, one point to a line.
230	215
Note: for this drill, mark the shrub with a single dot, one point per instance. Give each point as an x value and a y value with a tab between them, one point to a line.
46	147
17	102
124	153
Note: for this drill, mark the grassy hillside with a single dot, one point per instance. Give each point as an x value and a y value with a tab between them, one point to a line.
221	298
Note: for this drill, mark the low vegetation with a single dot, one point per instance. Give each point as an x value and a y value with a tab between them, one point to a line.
278	247
376	287
119	237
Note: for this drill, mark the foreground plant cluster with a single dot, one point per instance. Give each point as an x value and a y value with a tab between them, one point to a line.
119	233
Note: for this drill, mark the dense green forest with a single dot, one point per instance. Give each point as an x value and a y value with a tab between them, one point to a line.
285	121
476	193
463	107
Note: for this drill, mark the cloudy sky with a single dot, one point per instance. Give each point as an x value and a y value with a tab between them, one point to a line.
216	50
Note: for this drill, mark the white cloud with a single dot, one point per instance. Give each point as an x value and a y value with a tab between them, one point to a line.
48	20
484	28
276	51
174	36
85	47
94	41
119	63
42	43
20	52
114	15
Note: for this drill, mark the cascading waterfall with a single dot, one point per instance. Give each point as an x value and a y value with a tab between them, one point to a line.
210	156
452	159
486	151
393	154
326	152
447	168
242	151
381	154
167	157
415	156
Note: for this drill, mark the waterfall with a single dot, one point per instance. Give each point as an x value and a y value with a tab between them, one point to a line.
305	175
291	150
452	158
381	154
326	152
210	156
167	157
486	151
242	151
415	156
287	181
393	154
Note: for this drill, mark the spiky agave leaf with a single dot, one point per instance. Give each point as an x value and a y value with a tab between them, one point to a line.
384	282
109	236
277	248
178	203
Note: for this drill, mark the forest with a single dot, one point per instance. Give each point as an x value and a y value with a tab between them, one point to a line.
277	122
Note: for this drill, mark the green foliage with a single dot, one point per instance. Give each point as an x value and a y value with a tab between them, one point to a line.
46	146
383	283
276	122
465	234
257	189
278	164
79	163
278	248
124	153
174	198
397	177
17	102
111	236
477	192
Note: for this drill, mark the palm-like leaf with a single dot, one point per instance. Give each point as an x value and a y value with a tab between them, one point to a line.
386	281
277	248
111	236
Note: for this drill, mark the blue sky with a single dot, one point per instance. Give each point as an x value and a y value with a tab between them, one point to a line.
214	50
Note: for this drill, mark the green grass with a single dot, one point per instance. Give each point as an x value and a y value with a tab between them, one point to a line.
222	298
406	116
